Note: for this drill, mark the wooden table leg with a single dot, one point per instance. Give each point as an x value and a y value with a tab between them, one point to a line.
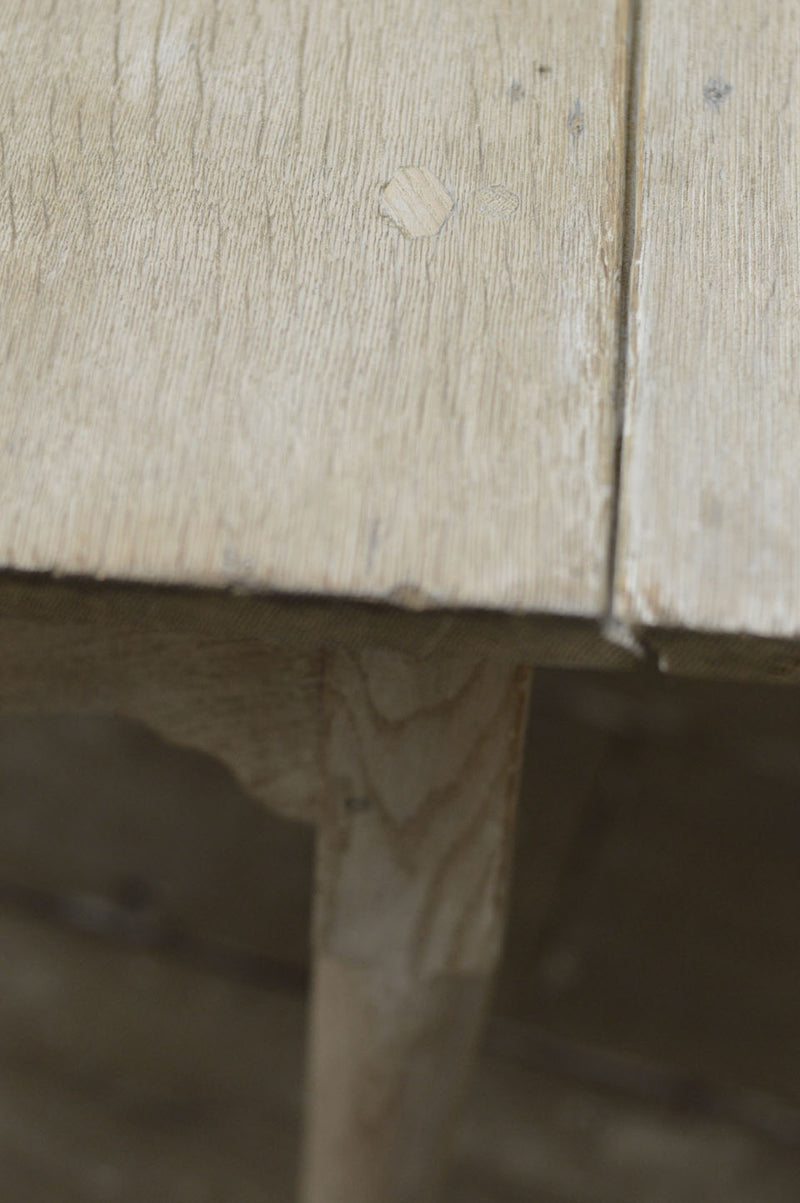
422	760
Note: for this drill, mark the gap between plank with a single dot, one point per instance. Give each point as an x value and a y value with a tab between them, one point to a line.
612	628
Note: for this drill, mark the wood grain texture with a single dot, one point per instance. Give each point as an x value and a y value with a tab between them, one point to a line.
224	361
422	760
256	710
710	511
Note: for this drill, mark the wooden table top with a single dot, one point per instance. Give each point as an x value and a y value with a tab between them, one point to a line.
710	506
332	300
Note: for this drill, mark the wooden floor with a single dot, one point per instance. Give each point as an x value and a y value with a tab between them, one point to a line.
643	1045
127	1075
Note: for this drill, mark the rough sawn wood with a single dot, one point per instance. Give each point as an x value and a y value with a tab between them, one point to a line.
710	505
319	298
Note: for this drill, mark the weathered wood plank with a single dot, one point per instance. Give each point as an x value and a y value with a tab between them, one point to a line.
315	298
710	512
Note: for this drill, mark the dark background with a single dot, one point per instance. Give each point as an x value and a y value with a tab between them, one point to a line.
645	1039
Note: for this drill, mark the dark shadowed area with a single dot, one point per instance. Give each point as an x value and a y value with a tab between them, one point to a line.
645	1040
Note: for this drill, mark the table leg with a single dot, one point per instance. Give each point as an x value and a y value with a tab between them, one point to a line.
422	761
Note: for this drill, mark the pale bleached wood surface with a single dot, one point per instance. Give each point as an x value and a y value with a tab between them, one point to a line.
318	298
710	507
